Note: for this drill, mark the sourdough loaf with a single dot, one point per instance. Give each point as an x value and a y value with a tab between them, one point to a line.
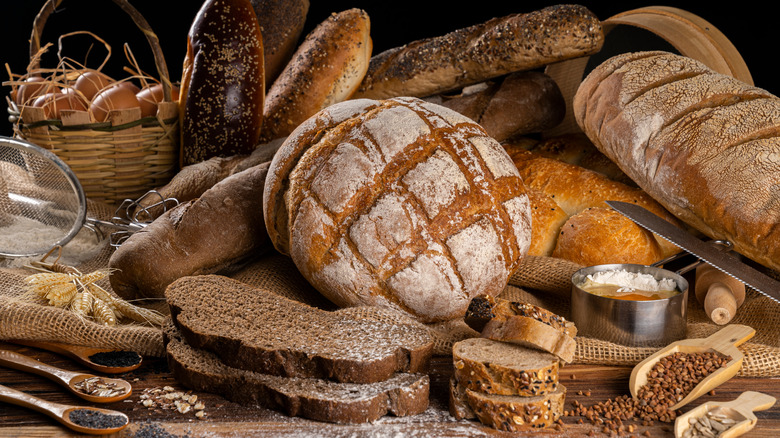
223	83
220	228
325	69
398	203
256	330
518	104
477	53
507	413
317	399
522	324
495	367
703	144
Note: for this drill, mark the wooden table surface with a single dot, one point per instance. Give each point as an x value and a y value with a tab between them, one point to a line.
227	419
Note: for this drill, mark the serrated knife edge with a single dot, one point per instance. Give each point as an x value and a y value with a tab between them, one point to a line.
753	278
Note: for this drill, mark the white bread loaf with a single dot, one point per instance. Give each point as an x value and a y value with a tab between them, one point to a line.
399	203
474	54
703	144
325	69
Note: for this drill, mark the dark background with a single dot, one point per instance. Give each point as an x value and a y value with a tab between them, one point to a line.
750	27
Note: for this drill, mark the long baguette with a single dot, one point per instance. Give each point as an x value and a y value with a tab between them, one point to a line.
703	144
474	54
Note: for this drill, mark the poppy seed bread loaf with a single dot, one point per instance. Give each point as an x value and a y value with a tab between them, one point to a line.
398	203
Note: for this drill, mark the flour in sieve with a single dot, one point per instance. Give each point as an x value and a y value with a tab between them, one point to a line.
25	234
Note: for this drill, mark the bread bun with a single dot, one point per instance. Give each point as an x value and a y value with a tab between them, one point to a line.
398	203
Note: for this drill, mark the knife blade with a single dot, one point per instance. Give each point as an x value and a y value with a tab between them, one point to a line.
708	253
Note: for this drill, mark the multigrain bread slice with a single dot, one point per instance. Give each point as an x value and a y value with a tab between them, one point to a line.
316	399
260	331
506	412
522	324
495	367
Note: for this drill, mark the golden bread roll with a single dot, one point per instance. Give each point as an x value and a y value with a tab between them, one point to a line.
398	203
701	143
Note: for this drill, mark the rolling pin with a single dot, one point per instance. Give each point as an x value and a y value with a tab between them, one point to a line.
720	293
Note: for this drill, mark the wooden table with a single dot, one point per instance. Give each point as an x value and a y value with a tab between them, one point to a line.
230	420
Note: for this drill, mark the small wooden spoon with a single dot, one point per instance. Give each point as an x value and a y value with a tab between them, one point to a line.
724	341
70	379
741	410
61	412
81	354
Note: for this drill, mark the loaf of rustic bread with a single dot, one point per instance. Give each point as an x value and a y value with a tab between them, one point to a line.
326	68
522	324
702	144
507	413
281	25
220	228
317	399
517	42
517	104
398	203
256	330
496	367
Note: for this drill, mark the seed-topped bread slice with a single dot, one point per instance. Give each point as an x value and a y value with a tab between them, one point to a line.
496	367
523	324
256	330
316	399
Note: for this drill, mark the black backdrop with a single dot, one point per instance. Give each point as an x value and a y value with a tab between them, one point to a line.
750	27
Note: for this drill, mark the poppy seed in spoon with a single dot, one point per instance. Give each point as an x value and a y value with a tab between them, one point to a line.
93	419
116	358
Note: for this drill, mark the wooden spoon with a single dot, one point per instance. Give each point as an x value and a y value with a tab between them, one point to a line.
725	341
70	379
81	354
62	413
741	410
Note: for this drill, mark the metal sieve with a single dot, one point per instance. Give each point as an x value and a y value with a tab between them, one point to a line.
42	203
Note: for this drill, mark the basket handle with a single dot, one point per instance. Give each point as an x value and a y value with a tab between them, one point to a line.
159	60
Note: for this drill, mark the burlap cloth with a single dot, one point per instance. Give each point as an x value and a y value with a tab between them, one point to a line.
540	280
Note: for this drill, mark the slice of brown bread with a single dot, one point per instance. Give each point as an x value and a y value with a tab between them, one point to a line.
506	412
523	324
257	330
502	368
316	399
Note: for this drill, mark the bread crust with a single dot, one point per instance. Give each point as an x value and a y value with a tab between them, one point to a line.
281	24
477	53
325	69
702	144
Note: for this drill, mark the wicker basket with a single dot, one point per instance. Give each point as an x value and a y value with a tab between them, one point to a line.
121	158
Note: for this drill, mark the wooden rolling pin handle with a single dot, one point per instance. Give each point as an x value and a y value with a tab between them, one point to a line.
720	293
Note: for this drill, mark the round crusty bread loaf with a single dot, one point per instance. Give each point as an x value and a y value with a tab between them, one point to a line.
398	203
703	144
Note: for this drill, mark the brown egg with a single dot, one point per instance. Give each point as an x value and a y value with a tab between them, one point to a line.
53	103
150	96
90	82
114	97
32	87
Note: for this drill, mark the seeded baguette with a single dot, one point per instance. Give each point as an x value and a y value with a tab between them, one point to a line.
506	412
322	400
501	368
522	324
259	331
474	54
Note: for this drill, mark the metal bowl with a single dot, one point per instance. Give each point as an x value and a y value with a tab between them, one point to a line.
652	323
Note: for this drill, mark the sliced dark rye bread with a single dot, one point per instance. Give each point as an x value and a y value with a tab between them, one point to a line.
257	330
506	412
523	324
316	399
502	368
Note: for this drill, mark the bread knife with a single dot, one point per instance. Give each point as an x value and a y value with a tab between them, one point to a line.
708	253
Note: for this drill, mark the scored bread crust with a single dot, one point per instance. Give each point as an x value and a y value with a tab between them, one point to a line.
256	330
501	368
702	144
398	203
506	412
325	69
473	54
322	400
